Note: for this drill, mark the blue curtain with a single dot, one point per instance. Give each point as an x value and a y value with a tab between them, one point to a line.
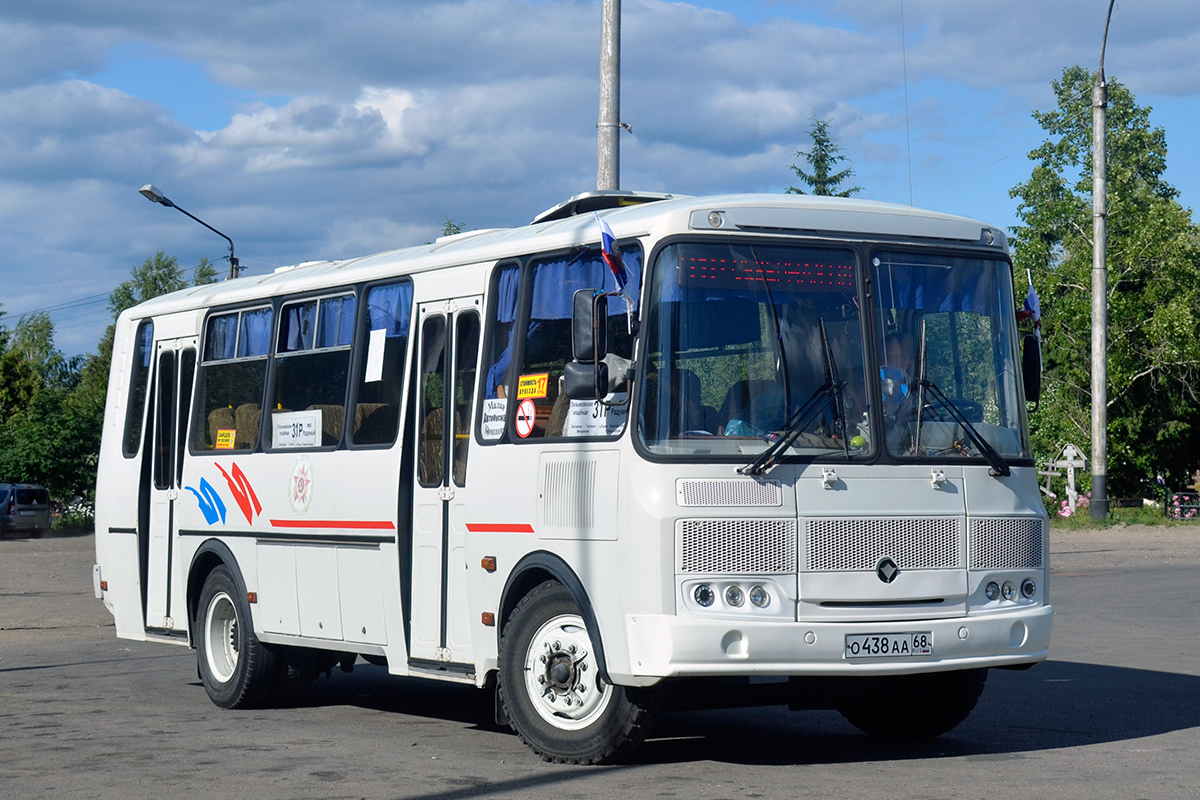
555	283
389	307
256	333
337	321
222	338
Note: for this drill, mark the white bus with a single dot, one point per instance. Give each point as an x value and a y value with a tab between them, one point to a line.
796	466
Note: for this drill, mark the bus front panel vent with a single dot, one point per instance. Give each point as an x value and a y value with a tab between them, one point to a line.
1006	542
739	546
849	545
727	492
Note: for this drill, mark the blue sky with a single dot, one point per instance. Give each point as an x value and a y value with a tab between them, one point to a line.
312	129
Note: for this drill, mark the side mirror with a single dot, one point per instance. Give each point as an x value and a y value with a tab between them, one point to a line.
1031	368
586	378
585	381
589	340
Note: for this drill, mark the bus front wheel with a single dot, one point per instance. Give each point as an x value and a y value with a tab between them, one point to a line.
551	689
235	667
913	706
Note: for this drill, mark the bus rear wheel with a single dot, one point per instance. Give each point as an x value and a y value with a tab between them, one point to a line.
237	670
913	706
551	689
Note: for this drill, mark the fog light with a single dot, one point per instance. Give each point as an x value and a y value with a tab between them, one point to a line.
1010	591
704	595
734	596
992	590
759	596
1028	588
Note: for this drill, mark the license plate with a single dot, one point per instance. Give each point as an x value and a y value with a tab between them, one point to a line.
28	513
889	645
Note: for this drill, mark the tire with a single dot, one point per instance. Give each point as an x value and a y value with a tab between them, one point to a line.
551	690
913	706
237	670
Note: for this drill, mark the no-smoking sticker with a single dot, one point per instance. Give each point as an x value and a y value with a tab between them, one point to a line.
526	414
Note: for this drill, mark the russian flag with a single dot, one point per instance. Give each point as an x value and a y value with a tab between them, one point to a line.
612	253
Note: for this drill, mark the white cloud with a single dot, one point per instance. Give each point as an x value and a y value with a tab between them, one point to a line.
370	122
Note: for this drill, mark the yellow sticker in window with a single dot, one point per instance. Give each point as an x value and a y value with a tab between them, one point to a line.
533	386
226	438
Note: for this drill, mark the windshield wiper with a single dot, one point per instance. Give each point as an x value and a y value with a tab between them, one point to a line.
999	467
829	393
792	429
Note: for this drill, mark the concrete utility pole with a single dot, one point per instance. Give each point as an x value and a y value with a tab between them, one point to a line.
608	145
1099	505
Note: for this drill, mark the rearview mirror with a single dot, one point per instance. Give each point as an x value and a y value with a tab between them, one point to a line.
1031	368
589	328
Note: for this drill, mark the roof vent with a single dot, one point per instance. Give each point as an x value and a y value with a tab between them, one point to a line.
597	201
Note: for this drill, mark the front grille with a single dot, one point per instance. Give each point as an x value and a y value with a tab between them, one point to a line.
846	545
727	492
753	546
1006	543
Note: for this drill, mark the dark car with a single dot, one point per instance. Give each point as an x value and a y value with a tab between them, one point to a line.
24	510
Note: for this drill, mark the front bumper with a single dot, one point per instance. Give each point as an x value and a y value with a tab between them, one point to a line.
665	646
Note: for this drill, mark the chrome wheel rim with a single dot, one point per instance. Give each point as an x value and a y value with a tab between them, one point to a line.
221	637
562	674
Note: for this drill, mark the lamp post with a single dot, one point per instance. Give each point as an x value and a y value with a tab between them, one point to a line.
151	193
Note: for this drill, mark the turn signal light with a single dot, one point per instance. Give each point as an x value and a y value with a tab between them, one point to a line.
104	586
488	563
488	619
252	597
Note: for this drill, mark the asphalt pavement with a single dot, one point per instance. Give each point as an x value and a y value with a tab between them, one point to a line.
1115	712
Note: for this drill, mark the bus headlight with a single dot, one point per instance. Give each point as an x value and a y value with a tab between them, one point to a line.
735	596
992	590
704	595
1009	590
1028	588
760	596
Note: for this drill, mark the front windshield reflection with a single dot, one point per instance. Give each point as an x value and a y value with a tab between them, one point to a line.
740	337
946	324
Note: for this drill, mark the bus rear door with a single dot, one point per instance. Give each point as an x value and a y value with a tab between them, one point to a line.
176	368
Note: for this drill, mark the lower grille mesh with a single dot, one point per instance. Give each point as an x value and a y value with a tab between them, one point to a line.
753	546
1006	543
843	545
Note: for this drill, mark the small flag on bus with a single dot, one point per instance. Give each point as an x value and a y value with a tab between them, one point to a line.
615	260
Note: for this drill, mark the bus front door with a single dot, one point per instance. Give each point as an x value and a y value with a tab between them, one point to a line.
448	345
176	368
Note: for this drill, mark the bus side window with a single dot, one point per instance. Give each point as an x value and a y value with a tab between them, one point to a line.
312	362
548	338
381	362
139	381
497	361
232	378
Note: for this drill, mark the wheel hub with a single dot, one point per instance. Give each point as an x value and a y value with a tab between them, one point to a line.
561	674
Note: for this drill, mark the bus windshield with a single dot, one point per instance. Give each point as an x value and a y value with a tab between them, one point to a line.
745	340
751	347
947	354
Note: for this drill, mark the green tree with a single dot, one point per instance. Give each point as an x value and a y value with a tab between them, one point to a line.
159	274
204	273
1153	258
823	157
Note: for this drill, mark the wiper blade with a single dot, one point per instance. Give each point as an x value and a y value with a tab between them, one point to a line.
792	429
995	460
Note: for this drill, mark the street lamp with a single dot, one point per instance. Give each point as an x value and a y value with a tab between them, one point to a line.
151	193
1099	506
